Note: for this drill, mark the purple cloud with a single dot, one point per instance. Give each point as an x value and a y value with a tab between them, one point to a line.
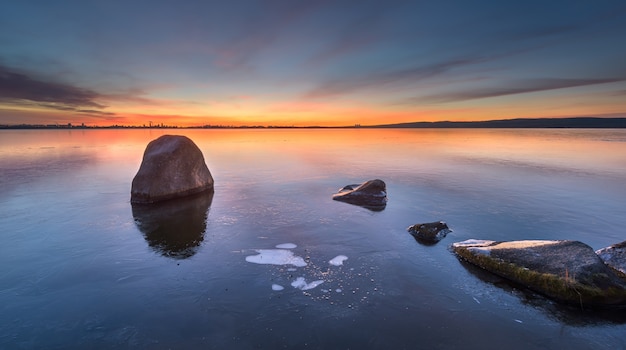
17	87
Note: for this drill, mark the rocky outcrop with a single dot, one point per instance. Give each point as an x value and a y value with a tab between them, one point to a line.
172	167
615	257
568	271
429	233
371	194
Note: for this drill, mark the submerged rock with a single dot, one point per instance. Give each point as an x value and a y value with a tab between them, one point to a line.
172	167
615	257
568	271
429	233
371	195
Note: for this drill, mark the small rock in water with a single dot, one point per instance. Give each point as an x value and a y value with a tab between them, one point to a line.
371	195
429	233
277	287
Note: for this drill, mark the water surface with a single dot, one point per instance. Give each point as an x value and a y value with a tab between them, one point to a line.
82	268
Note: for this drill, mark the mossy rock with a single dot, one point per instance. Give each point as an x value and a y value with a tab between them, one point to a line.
567	271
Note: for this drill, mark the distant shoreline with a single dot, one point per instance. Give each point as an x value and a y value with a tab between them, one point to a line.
522	123
580	123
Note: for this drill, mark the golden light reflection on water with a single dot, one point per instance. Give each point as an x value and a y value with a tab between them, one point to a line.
578	149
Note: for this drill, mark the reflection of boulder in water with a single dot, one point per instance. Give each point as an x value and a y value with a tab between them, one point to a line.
174	228
572	315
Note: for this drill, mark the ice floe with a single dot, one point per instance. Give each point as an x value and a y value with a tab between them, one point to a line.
286	246
284	256
338	260
300	283
276	257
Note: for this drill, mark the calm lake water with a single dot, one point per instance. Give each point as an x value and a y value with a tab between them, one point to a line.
79	268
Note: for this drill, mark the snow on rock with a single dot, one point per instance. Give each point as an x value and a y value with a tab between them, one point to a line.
473	243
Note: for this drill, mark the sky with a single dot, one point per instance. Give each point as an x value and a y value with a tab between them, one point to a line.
303	63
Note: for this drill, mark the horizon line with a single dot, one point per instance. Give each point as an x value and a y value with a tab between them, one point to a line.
567	122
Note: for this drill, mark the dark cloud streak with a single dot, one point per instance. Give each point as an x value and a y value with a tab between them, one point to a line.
520	87
16	87
407	75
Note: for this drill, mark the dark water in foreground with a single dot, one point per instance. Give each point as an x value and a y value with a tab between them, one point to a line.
79	268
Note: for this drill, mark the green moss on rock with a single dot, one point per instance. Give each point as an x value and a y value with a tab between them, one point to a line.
590	284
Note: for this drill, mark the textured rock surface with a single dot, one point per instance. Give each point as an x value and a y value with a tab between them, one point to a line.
429	233
615	257
371	195
172	167
568	271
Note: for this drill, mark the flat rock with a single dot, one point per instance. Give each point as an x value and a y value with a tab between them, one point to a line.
615	257
429	233
567	271
371	194
172	167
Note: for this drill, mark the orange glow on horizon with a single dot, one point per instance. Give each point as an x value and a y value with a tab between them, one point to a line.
251	111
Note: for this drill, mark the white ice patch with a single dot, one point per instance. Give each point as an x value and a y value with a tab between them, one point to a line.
276	257
338	260
277	287
300	283
286	246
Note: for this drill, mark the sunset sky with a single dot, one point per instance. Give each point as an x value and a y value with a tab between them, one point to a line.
309	62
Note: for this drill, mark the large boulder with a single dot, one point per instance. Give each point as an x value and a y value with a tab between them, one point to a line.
429	233
615	257
371	194
568	271
172	167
